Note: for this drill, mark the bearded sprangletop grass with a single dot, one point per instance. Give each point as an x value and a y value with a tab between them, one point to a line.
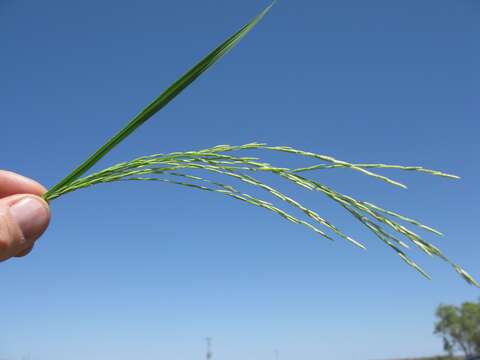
200	169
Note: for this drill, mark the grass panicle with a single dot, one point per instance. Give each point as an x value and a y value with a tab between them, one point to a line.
200	170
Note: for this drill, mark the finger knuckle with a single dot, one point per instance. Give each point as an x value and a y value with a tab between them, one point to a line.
8	233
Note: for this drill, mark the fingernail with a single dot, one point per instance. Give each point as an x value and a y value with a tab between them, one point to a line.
31	216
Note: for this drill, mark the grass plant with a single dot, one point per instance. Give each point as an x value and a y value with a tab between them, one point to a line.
200	169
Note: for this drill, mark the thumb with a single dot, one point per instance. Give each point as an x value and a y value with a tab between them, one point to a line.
23	218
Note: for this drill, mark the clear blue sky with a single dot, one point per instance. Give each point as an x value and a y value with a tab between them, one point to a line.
146	271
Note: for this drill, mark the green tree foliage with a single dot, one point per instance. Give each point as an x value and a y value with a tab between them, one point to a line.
459	327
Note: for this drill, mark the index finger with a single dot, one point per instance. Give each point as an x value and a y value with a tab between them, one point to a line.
12	183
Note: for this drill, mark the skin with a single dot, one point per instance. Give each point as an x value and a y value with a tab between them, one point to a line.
24	215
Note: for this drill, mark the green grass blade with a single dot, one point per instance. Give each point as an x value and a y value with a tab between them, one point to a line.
162	100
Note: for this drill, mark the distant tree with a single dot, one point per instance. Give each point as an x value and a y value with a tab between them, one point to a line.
459	327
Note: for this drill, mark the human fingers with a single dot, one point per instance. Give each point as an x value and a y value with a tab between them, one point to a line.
23	218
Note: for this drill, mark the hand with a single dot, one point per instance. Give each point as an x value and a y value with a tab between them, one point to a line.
24	215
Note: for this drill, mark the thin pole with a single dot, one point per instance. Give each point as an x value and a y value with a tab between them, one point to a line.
209	348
